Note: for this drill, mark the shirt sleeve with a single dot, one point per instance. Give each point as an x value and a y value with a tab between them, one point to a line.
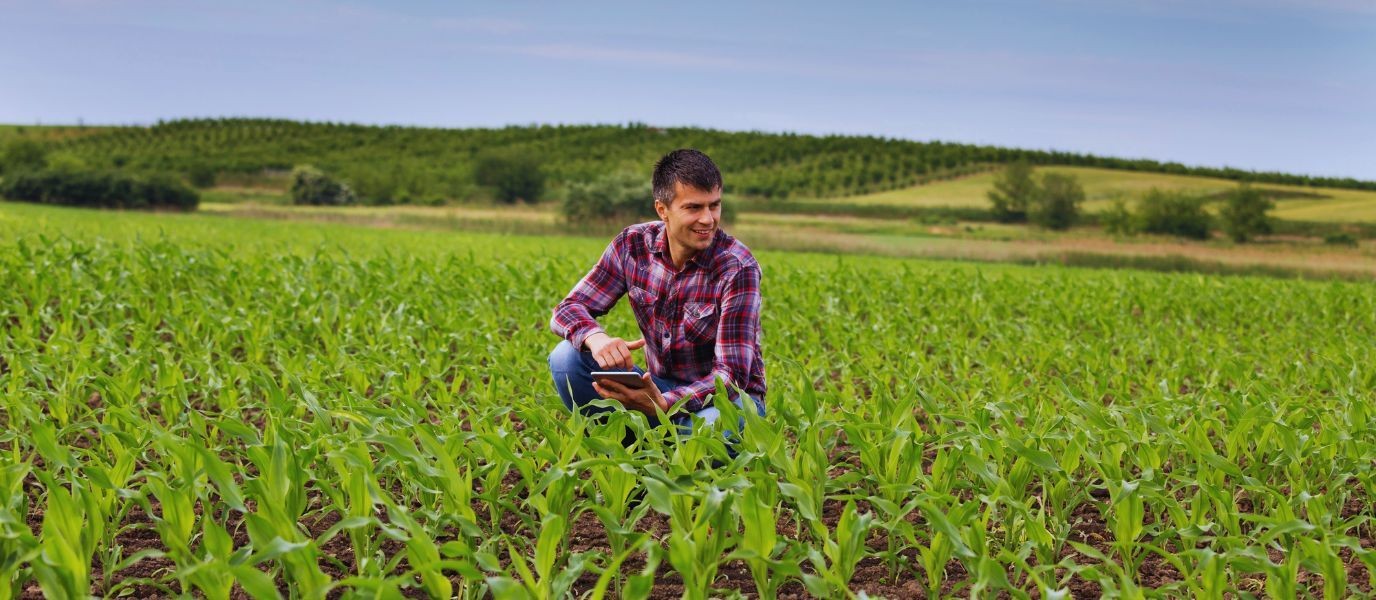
738	330
575	317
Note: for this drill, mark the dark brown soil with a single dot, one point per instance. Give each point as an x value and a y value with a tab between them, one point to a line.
152	578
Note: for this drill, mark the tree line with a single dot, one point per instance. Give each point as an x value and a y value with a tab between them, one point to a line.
392	164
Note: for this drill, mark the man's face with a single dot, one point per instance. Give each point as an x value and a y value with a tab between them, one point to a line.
691	219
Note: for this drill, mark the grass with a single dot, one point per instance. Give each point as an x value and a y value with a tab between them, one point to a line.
1103	186
987	242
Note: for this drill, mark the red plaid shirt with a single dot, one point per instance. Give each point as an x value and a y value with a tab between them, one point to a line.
699	324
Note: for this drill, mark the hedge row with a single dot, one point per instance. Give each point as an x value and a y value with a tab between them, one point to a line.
99	189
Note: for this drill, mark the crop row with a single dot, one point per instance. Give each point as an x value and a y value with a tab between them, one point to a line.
224	410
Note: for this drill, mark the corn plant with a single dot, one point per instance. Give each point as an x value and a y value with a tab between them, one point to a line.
343	410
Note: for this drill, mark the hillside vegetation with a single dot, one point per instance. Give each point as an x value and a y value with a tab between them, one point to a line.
410	164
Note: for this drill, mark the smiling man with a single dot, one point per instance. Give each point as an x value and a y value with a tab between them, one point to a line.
695	292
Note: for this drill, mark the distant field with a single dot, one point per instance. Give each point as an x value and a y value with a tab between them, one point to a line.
1103	186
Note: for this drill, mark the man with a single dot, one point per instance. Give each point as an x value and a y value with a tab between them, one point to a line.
695	292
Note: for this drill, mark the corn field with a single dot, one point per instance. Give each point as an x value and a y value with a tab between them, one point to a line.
217	408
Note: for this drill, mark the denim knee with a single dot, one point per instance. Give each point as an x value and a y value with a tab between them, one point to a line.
564	364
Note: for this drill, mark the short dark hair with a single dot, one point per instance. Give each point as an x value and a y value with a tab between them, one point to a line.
687	166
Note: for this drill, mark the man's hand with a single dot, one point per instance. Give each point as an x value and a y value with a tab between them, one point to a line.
612	353
645	400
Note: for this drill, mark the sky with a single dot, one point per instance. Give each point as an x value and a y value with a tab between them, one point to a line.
1284	85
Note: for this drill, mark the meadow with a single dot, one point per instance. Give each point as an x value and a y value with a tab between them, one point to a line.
230	407
1105	186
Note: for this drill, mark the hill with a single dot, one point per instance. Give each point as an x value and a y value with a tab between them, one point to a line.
407	164
1103	186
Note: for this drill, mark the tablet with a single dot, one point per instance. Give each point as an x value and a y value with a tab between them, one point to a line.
630	379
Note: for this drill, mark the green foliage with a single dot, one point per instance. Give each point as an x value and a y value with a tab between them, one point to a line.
1174	213
1243	214
1053	202
1118	220
65	161
100	189
311	186
353	412
513	176
1056	204
201	176
1014	192
1340	238
623	197
410	164
20	154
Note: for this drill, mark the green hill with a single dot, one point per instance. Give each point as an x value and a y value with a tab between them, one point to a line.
1103	186
404	164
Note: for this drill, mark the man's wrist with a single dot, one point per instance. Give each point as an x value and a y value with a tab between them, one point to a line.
591	337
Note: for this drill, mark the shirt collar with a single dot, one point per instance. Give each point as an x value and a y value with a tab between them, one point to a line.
660	245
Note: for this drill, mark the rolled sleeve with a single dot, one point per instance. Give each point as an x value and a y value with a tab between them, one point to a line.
575	318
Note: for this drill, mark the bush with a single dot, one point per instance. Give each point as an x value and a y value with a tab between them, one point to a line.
1056	204
1244	213
65	161
1341	238
1118	220
620	197
201	176
512	176
100	189
312	186
22	154
1014	190
1174	213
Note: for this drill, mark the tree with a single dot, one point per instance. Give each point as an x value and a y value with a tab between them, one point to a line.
310	185
1014	189
512	176
201	176
1057	204
1118	220
23	154
621	196
1244	213
1174	213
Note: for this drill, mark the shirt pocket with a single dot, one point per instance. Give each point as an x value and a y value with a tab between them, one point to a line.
642	299
699	321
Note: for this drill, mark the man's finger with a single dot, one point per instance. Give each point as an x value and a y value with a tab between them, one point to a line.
612	387
636	345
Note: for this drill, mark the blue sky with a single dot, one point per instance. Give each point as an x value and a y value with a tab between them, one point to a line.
1285	85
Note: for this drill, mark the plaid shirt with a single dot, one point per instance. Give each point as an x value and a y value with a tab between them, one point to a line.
699	324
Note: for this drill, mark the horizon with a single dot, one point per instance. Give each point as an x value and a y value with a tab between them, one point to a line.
1197	84
662	126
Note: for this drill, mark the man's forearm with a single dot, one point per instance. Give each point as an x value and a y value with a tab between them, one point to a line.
574	322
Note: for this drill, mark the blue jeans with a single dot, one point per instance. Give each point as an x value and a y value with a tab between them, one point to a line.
572	372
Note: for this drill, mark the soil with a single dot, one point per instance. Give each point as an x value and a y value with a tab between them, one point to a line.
152	577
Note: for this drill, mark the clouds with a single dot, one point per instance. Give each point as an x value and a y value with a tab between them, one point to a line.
1265	84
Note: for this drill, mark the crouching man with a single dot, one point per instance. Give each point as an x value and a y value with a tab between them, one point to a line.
695	292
